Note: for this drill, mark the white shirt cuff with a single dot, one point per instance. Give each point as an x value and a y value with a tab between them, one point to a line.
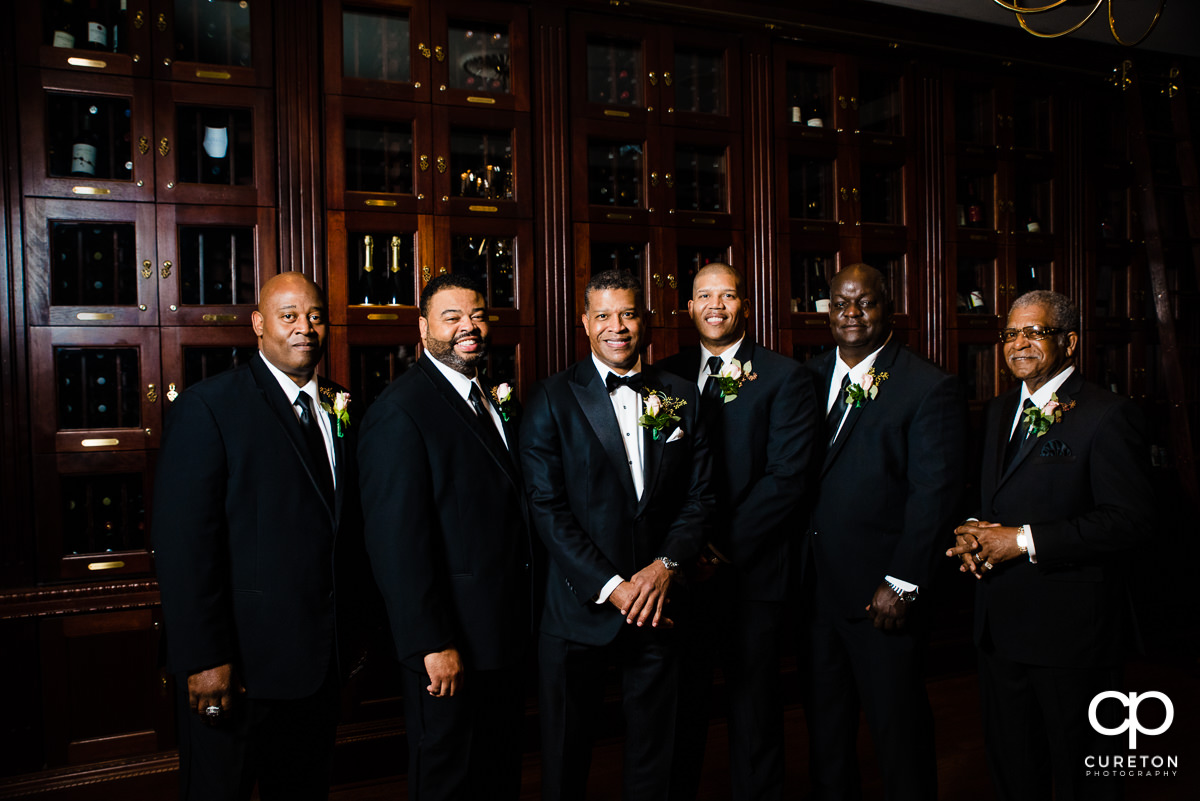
1029	544
904	585
608	588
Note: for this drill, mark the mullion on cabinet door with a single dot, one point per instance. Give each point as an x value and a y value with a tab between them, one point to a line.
90	263
377	48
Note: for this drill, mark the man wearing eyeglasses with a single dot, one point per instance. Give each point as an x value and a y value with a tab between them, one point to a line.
890	482
1065	495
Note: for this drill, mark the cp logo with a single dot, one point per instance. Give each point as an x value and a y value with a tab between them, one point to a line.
1131	723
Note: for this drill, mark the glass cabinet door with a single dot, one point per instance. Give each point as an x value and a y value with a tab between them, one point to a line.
378	264
379	155
481	55
700	183
377	49
701	75
104	36
685	253
615	72
226	42
617	175
498	254
191	354
481	165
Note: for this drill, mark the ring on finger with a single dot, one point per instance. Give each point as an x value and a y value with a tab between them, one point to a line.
987	565
977	557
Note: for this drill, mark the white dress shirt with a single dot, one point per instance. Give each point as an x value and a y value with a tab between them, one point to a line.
292	392
462	385
725	355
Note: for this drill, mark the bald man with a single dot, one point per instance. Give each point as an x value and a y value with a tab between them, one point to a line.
762	426
255	493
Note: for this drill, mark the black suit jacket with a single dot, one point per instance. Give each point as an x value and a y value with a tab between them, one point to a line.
762	445
583	501
1084	490
446	524
891	483
253	562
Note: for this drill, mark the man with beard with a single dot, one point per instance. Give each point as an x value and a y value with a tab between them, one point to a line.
447	535
890	484
617	465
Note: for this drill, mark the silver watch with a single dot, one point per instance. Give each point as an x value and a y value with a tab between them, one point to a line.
668	562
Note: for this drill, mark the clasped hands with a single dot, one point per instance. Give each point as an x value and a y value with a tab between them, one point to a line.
644	596
981	545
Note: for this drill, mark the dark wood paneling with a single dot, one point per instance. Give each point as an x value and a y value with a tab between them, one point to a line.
761	185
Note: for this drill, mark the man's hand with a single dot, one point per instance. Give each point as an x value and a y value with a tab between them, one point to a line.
445	671
887	610
643	597
982	545
213	687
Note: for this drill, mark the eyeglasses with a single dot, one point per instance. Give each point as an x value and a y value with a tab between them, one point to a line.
1031	332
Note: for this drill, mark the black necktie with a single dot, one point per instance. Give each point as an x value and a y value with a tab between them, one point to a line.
712	387
484	414
1019	434
316	443
635	382
833	420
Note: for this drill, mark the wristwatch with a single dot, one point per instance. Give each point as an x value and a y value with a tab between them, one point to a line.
908	596
1022	540
668	563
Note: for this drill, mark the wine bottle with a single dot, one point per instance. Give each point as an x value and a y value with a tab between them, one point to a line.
395	294
85	148
1032	224
120	28
814	113
796	111
96	22
215	161
64	25
367	291
818	289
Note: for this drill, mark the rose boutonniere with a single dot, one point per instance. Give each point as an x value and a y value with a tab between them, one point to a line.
1041	419
867	390
732	376
339	408
502	396
659	411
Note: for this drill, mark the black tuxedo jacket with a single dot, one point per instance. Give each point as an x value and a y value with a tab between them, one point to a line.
1084	490
583	501
762	445
446	524
891	482
254	563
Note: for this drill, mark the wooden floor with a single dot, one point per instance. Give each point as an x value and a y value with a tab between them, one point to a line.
962	769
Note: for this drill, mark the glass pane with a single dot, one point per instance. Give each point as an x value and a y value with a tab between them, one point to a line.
628	256
973	115
213	31
613	69
882	199
688	260
202	363
975	201
97	25
103	513
88	137
894	271
479	56
804	352
699	81
374	282
1112	368
214	146
1031	122
1033	204
502	364
375	46
977	369
810	95
97	388
490	260
700	178
216	265
481	160
372	368
810	281
615	173
1032	274
810	188
976	284
879	109
92	264
1111	285
379	156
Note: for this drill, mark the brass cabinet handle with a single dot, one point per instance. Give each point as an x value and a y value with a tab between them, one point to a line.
657	280
669	179
151	393
671	282
143	145
653	78
654	179
172	393
166	269
423	162
845	193
441	164
164	146
425	274
667	78
162	22
424	50
147	269
439	53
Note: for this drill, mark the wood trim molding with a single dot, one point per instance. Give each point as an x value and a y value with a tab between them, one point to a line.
59	600
760	188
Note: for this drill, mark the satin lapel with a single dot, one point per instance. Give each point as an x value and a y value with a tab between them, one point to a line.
652	449
597	409
1067	391
278	403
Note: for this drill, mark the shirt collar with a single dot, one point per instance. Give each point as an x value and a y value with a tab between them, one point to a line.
725	355
1042	396
840	368
603	369
289	387
461	384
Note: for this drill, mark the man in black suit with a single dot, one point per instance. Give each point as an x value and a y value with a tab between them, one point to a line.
760	413
1065	496
257	533
890	481
446	529
617	473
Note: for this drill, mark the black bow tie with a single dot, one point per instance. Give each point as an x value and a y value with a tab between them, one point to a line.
635	382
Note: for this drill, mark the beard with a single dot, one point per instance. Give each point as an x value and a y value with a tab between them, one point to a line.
444	352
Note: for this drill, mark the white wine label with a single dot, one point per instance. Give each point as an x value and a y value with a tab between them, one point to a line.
815	122
97	34
975	299
83	159
63	39
796	115
823	306
216	142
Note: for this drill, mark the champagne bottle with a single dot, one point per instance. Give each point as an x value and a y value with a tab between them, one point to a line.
395	294
814	112
96	22
818	289
64	23
85	148
215	160
367	291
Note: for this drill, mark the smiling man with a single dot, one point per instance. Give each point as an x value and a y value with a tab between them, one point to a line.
259	551
446	528
762	426
1065	496
619	506
890	483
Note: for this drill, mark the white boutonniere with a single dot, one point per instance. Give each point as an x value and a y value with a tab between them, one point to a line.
732	376
867	390
339	408
502	396
659	411
1041	419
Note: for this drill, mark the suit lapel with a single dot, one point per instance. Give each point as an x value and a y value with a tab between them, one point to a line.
883	364
278	403
652	449
326	391
1068	390
597	409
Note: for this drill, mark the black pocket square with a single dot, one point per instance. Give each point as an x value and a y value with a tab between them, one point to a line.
1055	447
